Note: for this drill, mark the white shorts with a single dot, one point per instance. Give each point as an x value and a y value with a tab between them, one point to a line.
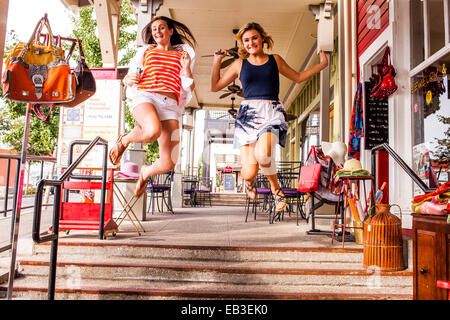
166	107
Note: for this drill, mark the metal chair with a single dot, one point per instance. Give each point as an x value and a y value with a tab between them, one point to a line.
288	173
160	187
338	207
264	198
203	192
189	184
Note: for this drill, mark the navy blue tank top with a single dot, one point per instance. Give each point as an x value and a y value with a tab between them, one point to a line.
260	82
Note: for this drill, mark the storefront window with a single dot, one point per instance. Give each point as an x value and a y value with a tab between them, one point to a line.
427	29
417	33
431	119
436	23
311	133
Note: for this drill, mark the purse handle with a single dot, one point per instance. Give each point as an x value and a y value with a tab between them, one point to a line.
80	50
42	22
38	112
313	150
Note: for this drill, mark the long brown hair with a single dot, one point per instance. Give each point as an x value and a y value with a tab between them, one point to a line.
181	33
252	26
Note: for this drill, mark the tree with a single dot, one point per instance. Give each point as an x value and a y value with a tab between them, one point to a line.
442	153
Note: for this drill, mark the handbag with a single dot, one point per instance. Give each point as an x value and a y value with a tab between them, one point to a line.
310	174
37	73
86	86
385	85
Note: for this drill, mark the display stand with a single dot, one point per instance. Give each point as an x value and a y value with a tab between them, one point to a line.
18	204
345	196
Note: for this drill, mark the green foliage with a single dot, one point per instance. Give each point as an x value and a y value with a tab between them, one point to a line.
442	153
85	28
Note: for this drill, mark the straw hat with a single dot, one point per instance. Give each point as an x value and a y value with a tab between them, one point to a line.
130	170
352	165
336	150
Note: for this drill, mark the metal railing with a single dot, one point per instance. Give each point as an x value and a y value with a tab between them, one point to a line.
5	210
401	163
53	236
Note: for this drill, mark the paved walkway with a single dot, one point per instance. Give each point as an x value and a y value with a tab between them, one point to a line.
218	226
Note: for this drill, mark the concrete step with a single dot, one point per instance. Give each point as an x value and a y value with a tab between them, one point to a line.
199	271
66	288
125	248
96	269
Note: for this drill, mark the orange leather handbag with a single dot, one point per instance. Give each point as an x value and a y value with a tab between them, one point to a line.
36	73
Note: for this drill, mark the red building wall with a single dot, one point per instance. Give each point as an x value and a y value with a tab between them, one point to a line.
372	19
3	167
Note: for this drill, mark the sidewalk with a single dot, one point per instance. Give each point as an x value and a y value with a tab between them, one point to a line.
218	226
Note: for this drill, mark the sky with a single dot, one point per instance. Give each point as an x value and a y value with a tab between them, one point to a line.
23	15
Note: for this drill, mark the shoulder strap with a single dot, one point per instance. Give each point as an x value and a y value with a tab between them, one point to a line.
38	112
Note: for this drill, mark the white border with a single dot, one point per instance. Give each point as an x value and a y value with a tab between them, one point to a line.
397	37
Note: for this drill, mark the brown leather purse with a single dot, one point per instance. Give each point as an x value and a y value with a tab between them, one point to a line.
86	86
37	73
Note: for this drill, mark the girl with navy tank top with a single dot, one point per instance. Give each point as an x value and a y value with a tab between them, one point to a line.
261	120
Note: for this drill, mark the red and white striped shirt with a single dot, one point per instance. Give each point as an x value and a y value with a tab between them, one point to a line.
161	71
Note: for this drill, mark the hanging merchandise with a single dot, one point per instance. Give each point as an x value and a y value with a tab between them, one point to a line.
310	174
38	73
356	126
85	80
385	83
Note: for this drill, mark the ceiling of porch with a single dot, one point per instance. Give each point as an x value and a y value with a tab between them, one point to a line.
290	23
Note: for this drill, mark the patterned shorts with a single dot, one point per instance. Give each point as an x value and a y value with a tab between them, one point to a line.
256	117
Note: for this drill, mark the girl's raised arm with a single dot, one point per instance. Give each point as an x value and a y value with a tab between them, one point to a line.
219	82
298	77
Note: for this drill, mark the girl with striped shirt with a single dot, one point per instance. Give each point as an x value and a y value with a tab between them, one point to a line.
160	83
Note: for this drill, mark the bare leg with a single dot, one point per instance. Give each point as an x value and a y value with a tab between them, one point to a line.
249	169
147	129
168	143
264	155
148	126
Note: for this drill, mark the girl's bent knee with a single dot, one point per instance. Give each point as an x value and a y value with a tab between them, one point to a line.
151	134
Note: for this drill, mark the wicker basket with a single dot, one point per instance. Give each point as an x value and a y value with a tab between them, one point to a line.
383	241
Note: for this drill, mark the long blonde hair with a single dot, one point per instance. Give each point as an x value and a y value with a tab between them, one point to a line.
252	26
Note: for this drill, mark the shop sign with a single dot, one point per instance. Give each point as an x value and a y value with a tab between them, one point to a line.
432	77
228	169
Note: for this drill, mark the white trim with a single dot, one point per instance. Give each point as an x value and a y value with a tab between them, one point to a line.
446	22
428	62
426	30
396	36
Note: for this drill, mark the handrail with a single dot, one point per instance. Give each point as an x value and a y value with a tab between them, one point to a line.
53	236
9	157
103	177
402	164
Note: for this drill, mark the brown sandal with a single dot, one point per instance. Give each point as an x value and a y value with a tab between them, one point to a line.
141	186
251	190
116	152
280	200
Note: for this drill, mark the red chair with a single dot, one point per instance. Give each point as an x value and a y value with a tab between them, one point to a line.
444	285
